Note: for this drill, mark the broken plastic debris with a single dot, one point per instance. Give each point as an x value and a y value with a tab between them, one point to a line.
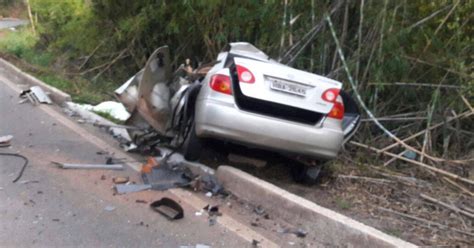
36	95
196	246
5	140
209	194
168	208
109	208
115	109
90	166
120	180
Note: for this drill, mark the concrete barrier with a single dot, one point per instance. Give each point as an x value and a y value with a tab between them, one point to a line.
20	77
329	227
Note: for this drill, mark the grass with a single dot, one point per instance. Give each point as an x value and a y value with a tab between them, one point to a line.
109	117
21	44
343	204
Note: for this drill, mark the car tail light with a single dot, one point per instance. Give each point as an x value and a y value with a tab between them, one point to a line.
332	95
221	83
245	76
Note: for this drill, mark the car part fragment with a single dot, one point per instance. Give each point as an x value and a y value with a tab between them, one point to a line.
168	208
89	166
36	95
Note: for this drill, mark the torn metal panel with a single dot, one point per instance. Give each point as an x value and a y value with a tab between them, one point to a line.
153	92
128	92
36	95
130	188
90	166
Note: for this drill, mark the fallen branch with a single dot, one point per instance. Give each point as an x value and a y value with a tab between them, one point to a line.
423	165
446	205
368	179
467	103
417	85
396	119
458	186
428	222
464	114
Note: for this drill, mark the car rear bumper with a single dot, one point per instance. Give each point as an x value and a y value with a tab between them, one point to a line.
223	120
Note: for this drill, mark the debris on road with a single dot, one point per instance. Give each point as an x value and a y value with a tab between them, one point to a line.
109	208
120	180
213	213
5	140
25	163
196	246
168	208
114	109
89	166
36	95
130	188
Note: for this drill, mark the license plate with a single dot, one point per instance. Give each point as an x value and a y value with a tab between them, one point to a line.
291	88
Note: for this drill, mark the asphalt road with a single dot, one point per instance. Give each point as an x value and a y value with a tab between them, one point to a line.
52	207
10	23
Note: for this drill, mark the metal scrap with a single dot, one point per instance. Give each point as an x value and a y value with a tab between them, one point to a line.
168	208
89	166
36	95
130	188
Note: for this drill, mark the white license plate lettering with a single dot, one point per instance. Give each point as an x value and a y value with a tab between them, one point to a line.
287	87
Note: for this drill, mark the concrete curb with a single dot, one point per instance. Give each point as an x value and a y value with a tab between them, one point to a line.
330	227
20	77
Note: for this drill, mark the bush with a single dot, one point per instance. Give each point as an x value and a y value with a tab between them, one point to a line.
18	43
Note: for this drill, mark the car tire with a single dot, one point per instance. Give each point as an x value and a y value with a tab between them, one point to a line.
304	174
192	145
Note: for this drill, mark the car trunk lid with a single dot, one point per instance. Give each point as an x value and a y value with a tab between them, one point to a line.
274	82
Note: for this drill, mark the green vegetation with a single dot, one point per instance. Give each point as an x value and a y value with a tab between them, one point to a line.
343	203
109	117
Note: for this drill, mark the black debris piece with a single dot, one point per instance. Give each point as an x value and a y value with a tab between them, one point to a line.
168	208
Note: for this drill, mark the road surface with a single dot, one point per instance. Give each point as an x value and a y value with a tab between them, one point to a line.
52	207
11	23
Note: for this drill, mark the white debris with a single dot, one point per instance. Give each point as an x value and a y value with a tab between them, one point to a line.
209	194
109	208
115	109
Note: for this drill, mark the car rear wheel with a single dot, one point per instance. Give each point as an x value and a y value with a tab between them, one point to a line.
192	145
305	174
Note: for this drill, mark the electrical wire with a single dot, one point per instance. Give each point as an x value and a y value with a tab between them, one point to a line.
24	164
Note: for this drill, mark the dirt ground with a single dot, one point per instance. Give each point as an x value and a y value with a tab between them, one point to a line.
389	198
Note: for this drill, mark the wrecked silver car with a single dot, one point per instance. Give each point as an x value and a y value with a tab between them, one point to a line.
244	97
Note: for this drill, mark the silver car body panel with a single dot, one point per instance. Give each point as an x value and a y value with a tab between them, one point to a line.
218	116
267	74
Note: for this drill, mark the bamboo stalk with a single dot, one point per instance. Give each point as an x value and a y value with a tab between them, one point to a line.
423	165
30	16
428	222
359	41
417	85
368	179
459	186
464	114
364	106
446	205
